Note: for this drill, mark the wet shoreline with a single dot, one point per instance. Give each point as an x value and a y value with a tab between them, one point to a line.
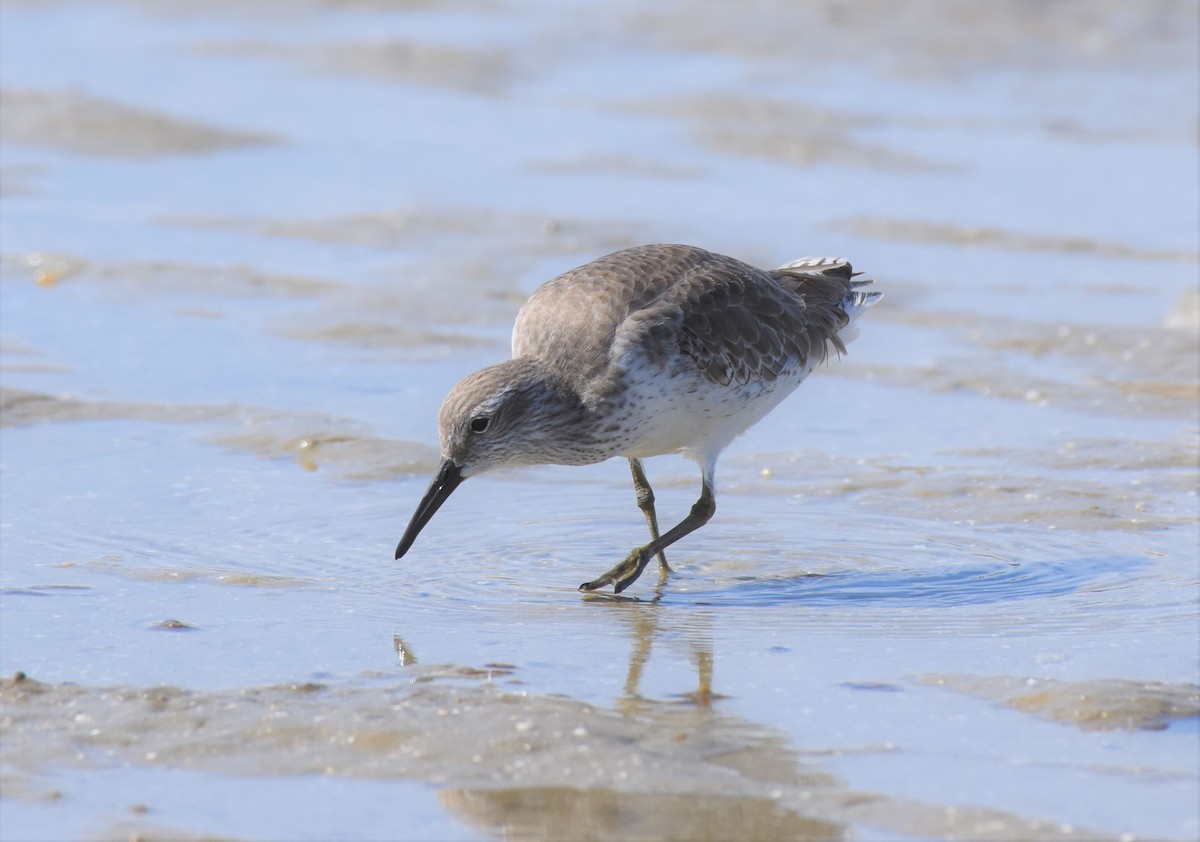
950	588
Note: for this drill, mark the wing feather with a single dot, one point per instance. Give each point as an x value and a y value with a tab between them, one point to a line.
739	324
684	306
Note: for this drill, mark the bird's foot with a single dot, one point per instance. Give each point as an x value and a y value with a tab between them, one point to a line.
624	574
664	569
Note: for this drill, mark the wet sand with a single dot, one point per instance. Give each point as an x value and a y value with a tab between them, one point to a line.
951	589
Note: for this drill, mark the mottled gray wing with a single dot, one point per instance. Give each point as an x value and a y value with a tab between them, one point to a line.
739	324
572	321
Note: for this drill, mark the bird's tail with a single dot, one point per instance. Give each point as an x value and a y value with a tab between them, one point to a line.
856	300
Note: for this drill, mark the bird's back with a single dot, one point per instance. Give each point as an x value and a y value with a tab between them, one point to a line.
677	304
570	322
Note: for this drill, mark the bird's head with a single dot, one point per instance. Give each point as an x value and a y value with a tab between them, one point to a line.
514	413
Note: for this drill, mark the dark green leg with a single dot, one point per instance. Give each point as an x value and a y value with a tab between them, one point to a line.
627	572
645	501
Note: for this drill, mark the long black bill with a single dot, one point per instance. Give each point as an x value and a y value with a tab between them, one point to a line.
449	477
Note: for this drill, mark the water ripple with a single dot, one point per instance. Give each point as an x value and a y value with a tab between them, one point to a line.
968	584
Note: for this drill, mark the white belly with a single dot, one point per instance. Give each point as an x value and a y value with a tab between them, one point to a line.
693	416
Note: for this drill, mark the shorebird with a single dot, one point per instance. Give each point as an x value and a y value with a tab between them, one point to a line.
652	350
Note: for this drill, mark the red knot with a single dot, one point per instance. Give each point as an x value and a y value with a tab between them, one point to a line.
652	350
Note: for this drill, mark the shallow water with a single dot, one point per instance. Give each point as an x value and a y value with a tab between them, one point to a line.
951	588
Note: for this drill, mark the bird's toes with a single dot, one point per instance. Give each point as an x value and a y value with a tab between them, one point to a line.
623	575
631	568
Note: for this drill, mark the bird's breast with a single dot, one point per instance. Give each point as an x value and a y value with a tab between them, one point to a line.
652	410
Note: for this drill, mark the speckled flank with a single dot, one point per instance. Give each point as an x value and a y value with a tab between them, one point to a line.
675	349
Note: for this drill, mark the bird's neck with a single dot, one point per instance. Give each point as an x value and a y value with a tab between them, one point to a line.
574	421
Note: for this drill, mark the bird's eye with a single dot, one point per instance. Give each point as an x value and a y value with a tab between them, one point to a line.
478	425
